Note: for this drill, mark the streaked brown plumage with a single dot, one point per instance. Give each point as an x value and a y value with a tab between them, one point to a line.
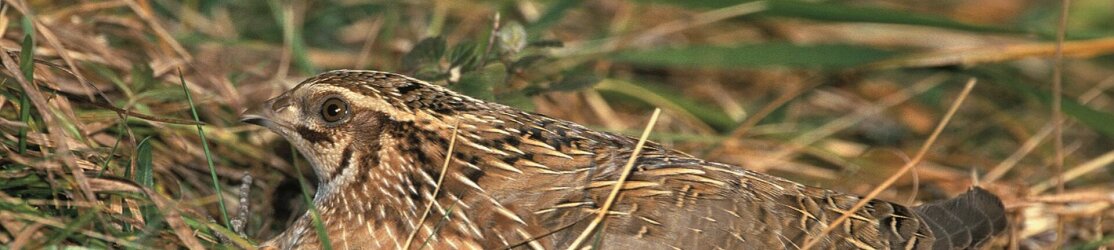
377	141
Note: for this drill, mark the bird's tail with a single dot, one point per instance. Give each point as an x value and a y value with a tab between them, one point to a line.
966	221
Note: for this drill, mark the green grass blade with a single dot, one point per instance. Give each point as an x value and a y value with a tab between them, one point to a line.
842	12
208	155
27	65
756	56
210	229
1100	121
144	175
232	236
1095	244
552	15
1103	122
322	234
112	76
72	227
661	97
143	163
120	133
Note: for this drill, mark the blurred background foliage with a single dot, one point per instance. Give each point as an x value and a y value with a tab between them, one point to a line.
104	151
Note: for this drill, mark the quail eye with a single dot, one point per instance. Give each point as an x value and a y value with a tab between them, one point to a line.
334	109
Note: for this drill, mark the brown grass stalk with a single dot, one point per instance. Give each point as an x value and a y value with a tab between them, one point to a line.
436	189
614	195
904	169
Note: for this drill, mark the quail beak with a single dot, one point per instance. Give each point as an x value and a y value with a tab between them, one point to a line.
261	115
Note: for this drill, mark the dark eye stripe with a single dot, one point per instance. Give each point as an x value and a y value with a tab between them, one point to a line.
313	136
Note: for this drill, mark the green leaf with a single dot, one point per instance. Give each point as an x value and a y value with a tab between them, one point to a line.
142	76
825	11
27	65
527	61
480	84
575	81
570	81
841	12
756	56
427	51
517	99
465	55
1094	244
1103	122
144	176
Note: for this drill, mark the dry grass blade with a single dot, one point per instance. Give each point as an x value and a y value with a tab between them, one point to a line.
170	209
25	236
107	104
1057	111
436	189
1030	144
1076	196
285	16
615	43
999	53
904	169
174	218
129	113
54	129
705	18
58	224
105	78
145	14
1000	170
1087	167
808	138
12	224
50	38
753	120
614	195
1057	96
369	41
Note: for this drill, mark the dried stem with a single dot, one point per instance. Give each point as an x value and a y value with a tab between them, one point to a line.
904	169
611	198
436	189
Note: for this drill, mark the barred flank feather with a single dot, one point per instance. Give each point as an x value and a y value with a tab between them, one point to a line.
966	221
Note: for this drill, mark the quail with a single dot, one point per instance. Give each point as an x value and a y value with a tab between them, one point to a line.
379	145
